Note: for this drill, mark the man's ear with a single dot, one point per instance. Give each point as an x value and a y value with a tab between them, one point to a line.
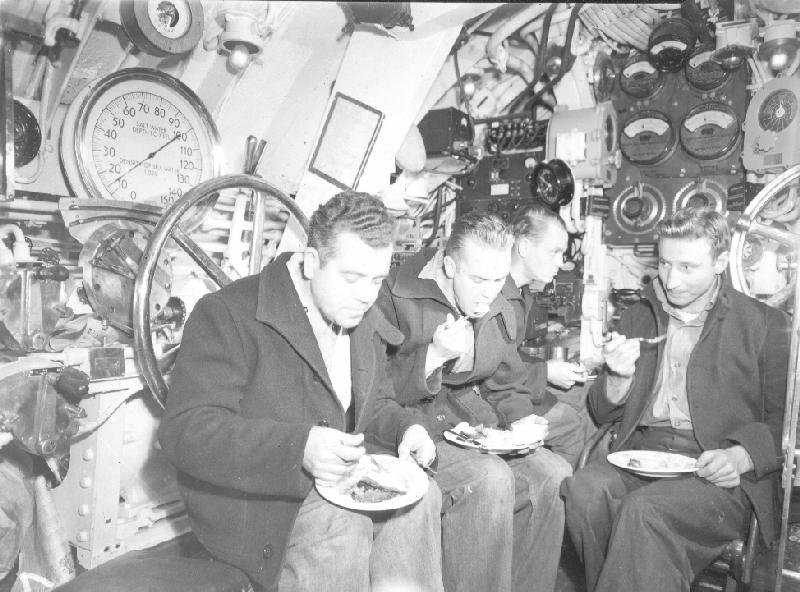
449	266
721	264
522	246
310	262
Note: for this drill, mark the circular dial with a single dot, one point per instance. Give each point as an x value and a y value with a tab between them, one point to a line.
703	73
27	135
163	27
670	44
701	193
639	78
710	131
647	138
552	183
778	110
604	77
142	136
638	209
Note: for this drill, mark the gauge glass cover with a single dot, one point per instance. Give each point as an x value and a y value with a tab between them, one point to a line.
710	131
778	110
144	136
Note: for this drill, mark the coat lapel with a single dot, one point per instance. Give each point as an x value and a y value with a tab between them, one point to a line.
289	318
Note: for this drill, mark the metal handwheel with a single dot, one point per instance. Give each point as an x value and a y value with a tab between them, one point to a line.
169	228
770	226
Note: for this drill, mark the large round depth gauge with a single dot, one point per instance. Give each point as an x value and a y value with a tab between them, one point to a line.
710	131
139	135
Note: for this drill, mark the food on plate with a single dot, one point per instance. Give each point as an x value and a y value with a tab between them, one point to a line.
371	482
494	438
662	462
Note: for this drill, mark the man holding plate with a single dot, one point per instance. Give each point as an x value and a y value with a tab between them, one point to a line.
280	378
712	389
503	519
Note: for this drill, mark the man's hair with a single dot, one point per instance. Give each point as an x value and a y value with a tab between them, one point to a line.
691	222
354	212
533	221
487	229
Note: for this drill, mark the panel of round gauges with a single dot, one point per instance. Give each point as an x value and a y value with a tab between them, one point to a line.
639	78
638	209
647	138
702	193
703	73
139	135
710	131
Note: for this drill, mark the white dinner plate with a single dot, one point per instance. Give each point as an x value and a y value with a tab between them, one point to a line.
653	463
415	477
476	444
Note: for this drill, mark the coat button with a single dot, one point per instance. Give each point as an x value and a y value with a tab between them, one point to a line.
267	552
440	418
323	423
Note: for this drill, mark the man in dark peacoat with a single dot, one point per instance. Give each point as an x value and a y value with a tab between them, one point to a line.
713	390
253	392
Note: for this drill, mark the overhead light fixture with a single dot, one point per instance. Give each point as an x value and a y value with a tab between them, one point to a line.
780	44
735	43
242	37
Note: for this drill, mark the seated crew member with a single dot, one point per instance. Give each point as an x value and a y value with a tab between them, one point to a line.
279	378
502	522
540	240
713	390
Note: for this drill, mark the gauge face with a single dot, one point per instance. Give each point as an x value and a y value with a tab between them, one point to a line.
703	73
604	77
639	78
778	110
670	44
638	209
647	138
553	183
710	131
171	18
142	136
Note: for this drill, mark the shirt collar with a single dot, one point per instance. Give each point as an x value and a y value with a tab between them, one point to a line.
678	313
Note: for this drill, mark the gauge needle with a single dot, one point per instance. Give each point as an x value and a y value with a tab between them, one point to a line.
146	158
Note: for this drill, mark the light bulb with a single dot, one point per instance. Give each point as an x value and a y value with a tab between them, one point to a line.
779	59
239	57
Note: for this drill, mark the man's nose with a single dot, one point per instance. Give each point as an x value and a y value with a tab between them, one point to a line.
366	292
672	279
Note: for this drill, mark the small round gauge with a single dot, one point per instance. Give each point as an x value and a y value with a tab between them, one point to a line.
639	78
703	73
710	131
604	77
647	138
778	110
638	209
27	135
552	183
671	43
163	27
139	135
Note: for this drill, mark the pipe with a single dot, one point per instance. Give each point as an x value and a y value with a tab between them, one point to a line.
494	46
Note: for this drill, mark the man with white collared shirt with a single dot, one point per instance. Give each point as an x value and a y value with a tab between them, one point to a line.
713	389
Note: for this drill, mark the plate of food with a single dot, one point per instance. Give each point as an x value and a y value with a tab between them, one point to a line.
378	482
495	441
653	463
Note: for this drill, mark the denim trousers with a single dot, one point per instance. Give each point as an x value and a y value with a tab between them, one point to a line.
339	550
502	521
634	533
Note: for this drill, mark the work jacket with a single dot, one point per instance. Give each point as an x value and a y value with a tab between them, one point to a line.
493	393
248	385
735	381
525	309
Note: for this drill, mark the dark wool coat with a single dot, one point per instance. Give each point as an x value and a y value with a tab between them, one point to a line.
493	393
736	384
248	385
524	307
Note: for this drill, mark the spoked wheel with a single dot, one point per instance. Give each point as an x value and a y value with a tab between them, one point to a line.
765	241
170	229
